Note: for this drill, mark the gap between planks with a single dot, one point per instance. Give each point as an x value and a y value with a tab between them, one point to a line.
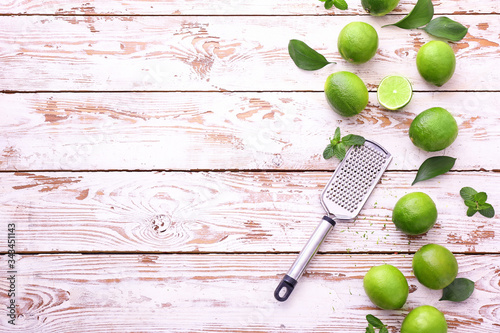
223	170
222	91
234	253
230	15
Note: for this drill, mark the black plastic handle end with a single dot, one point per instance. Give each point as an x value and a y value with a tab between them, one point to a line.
285	288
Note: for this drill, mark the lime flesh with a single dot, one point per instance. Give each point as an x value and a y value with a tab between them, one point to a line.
394	92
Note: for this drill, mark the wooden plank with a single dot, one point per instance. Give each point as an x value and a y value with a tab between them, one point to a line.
222	7
234	53
235	131
227	293
227	212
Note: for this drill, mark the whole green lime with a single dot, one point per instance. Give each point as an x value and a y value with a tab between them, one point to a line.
424	319
415	213
346	93
436	62
434	266
379	7
434	129
386	287
357	42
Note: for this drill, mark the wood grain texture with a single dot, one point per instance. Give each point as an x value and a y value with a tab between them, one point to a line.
228	293
204	53
223	7
225	131
228	212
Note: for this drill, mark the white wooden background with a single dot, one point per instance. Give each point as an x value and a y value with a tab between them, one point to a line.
162	163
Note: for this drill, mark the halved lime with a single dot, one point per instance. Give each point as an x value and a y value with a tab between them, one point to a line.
394	92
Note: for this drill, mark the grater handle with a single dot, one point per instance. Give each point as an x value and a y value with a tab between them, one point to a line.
293	275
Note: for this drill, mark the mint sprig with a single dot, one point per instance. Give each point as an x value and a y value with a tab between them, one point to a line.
340	4
338	146
374	322
476	202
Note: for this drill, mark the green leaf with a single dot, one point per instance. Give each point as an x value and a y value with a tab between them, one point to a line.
481	197
353	140
471	211
370	329
459	290
328	4
339	151
383	330
444	27
434	166
328	152
340	4
374	321
488	212
420	15
468	193
470	203
483	206
336	136
305	57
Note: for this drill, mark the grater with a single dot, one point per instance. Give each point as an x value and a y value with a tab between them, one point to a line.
343	197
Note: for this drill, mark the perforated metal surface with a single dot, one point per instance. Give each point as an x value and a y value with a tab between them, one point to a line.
354	180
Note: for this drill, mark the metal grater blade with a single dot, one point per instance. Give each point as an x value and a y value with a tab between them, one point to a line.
354	180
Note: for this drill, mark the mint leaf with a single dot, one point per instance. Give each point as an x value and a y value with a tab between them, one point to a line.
328	4
340	4
476	202
471	211
468	193
339	151
328	152
338	147
470	203
459	290
337	134
483	206
370	329
374	321
420	15
434	166
305	57
481	197
383	330
444	27
353	140
488	212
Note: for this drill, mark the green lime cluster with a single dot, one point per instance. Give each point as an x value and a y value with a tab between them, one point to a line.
432	130
434	266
